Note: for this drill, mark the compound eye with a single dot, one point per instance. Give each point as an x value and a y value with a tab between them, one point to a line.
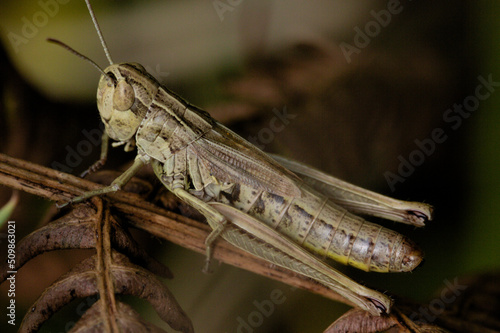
124	96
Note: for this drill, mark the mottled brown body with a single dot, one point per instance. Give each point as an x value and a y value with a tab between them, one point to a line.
181	137
197	158
198	154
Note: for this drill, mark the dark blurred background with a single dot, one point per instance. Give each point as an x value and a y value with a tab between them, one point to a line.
361	84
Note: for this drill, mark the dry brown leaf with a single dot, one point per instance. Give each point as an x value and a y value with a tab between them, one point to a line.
357	320
75	230
82	281
129	321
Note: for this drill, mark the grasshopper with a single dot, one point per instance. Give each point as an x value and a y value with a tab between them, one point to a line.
277	209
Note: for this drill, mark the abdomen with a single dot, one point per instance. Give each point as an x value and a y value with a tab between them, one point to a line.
327	230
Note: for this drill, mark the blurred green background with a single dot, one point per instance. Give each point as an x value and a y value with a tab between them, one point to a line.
196	50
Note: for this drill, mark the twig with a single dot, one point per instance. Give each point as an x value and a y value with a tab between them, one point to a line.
191	234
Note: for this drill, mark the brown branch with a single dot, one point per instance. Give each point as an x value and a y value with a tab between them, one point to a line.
191	234
104	263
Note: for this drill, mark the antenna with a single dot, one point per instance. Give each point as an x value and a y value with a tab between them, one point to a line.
55	41
99	33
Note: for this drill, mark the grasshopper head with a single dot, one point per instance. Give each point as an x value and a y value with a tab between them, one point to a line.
124	94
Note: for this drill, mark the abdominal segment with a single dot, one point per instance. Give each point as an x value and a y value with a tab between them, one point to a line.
328	230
